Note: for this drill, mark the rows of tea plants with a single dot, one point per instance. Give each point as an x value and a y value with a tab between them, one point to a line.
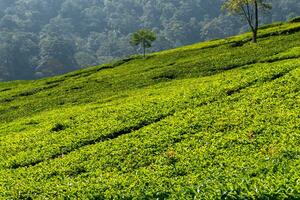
215	120
248	118
60	131
23	99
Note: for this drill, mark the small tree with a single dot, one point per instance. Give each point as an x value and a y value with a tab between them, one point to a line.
143	37
249	9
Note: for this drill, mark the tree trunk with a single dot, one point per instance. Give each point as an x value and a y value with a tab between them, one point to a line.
254	37
144	48
255	30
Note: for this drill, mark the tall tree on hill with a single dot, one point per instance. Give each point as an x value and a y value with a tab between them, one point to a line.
249	9
143	37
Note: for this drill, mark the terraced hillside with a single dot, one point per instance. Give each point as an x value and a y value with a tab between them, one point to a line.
214	120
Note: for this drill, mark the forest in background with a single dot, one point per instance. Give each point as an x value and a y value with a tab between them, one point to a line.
41	38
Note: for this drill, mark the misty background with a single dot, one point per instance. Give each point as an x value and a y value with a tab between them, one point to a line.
41	38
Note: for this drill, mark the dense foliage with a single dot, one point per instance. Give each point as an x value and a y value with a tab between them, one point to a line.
42	38
214	120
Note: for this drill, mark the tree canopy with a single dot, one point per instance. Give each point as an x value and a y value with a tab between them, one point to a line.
143	37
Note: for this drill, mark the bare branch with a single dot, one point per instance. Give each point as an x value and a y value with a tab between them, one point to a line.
247	17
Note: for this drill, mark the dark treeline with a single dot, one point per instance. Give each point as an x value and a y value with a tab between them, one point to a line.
46	37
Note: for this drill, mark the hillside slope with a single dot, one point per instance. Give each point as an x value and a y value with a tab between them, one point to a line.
219	119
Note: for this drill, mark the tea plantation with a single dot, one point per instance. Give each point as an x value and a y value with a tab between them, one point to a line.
214	120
